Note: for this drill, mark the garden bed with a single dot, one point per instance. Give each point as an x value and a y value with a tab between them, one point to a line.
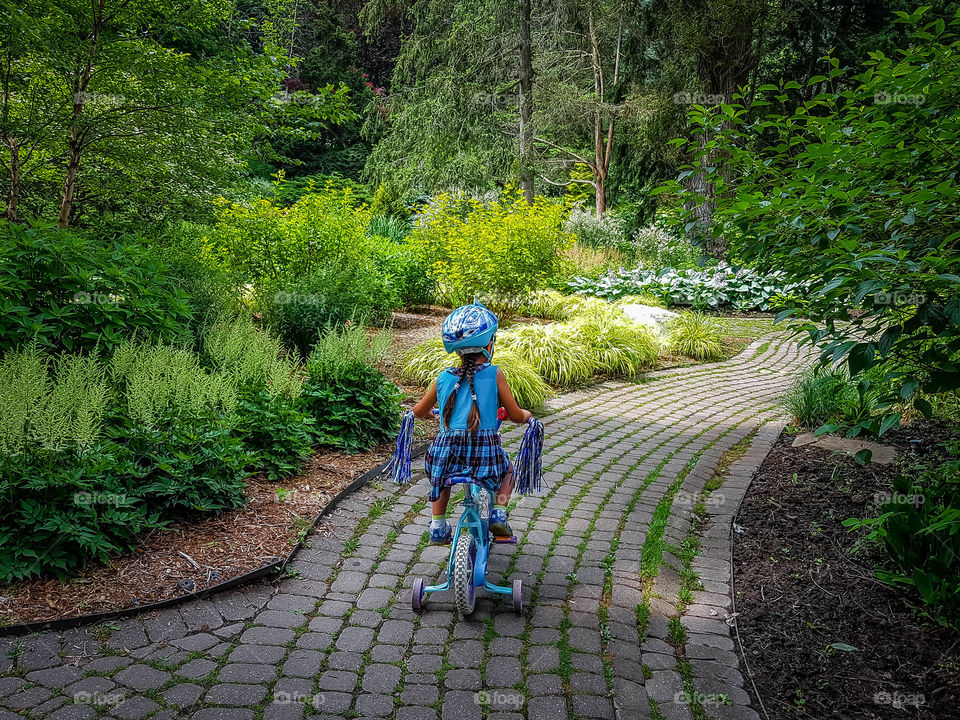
224	546
804	600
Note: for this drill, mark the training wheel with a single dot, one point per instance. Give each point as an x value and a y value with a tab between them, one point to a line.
518	596
416	597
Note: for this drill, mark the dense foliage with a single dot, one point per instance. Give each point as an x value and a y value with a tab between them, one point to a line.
68	291
504	247
831	192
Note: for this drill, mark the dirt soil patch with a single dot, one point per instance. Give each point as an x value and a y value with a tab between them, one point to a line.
804	599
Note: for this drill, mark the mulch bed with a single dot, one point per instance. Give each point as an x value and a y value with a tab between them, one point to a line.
224	546
799	590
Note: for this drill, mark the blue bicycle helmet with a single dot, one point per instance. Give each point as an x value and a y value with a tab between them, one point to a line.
471	326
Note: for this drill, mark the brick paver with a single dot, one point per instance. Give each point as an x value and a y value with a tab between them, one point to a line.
602	636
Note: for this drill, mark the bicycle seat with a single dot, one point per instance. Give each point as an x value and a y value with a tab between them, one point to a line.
460	480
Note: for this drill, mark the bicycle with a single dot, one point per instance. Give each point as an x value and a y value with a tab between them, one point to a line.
469	551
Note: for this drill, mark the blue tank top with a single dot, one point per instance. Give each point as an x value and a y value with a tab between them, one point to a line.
488	401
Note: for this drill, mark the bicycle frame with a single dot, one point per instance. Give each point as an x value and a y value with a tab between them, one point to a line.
472	522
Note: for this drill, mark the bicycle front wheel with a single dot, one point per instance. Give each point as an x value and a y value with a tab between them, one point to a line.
464	592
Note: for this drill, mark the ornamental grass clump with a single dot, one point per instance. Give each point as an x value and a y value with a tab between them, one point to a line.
556	351
695	335
618	346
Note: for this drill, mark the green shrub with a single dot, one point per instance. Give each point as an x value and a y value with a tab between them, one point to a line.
503	248
355	405
301	309
657	249
358	408
816	397
423	363
608	232
919	526
67	292
556	351
695	335
265	243
276	432
406	273
290	190
210	291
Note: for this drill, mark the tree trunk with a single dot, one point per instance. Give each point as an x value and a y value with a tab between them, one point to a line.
526	102
601	189
70	180
13	194
75	147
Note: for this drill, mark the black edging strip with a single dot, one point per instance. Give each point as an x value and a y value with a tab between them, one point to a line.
274	568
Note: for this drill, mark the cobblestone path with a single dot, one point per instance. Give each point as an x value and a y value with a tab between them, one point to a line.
625	560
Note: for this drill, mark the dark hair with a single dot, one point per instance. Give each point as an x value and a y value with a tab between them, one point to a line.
468	367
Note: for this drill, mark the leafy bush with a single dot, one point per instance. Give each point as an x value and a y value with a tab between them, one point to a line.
357	406
555	351
423	363
68	292
301	309
607	232
657	249
717	286
406	273
503	248
919	526
290	190
695	335
210	291
275	431
265	243
92	452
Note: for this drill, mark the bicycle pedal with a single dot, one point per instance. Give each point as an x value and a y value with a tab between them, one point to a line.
512	540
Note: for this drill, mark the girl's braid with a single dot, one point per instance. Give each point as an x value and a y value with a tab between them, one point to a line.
468	368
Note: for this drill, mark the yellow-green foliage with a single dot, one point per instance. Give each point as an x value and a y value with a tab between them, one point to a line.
557	306
50	413
695	335
252	357
618	346
424	362
264	242
555	350
157	379
502	248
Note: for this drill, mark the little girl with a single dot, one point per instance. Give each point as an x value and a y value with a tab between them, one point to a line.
469	440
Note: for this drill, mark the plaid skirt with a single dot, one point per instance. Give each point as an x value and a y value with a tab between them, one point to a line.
461	452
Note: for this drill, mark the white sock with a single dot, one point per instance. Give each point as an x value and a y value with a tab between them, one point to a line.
437	523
